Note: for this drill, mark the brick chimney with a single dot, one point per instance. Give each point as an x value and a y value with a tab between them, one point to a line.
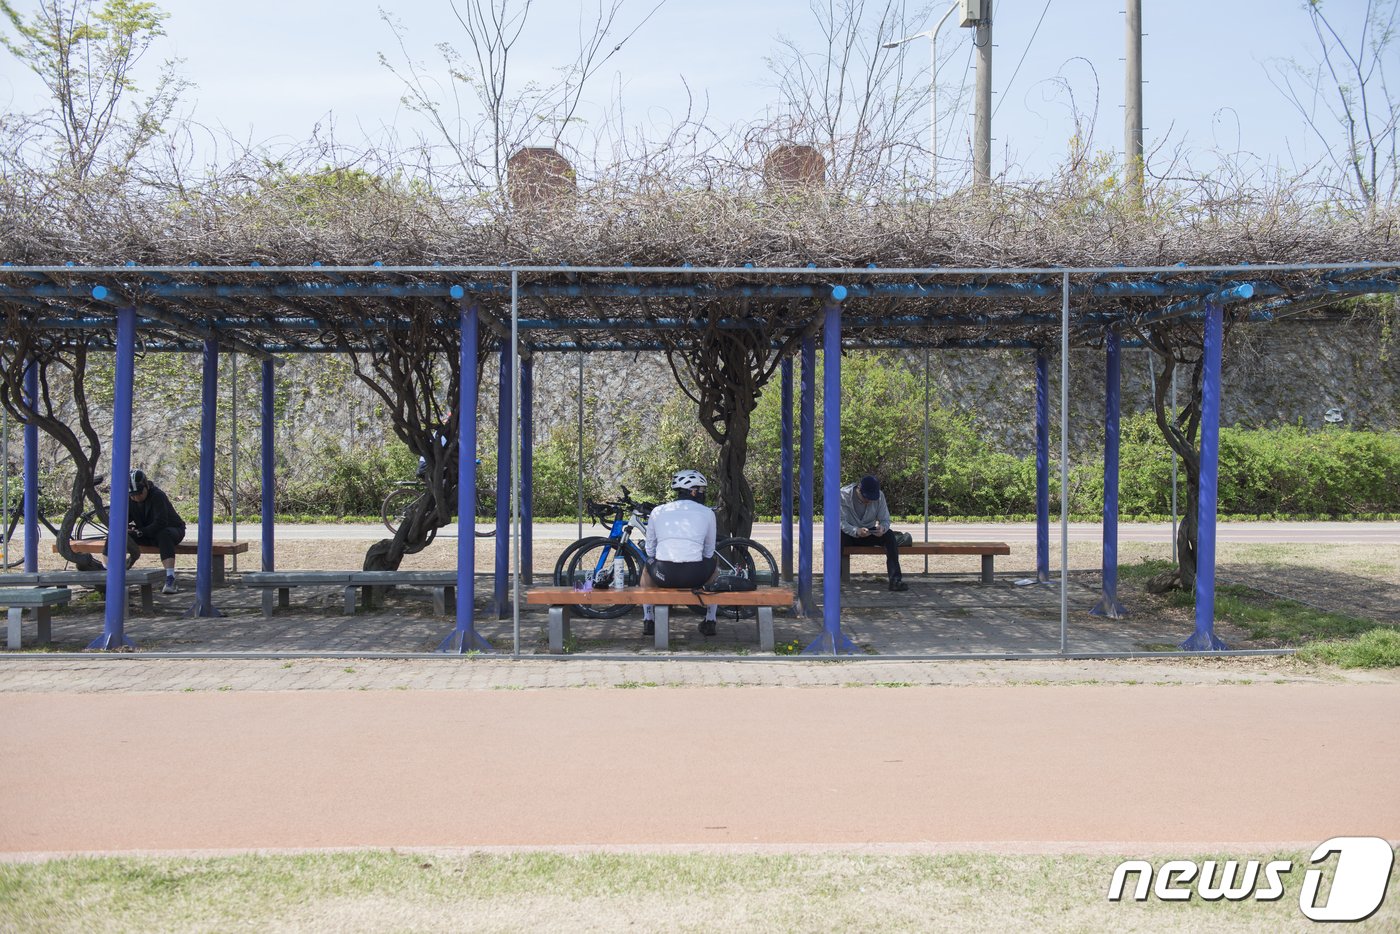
537	176
794	166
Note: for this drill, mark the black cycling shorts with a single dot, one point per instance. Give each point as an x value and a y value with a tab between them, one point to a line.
682	575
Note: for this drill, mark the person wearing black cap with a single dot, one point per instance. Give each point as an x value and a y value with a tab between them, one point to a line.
152	520
865	523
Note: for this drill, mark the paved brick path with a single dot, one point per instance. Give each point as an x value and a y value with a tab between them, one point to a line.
126	673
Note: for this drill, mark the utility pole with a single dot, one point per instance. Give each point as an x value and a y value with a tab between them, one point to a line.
1132	107
982	136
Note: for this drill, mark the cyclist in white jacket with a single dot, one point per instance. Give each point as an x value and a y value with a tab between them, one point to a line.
681	545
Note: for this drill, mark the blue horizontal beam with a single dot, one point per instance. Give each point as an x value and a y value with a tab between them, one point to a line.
898	291
441	269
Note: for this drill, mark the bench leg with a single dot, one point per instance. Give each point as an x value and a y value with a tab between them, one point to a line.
269	600
558	628
284	597
148	599
765	629
987	564
443	598
43	615
845	569
13	630
350	599
663	626
218	570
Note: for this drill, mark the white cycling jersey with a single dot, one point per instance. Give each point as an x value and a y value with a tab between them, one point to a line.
681	530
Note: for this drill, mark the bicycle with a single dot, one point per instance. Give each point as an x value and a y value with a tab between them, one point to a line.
592	558
89	526
405	494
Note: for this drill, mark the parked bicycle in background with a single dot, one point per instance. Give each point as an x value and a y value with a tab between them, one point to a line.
90	525
405	494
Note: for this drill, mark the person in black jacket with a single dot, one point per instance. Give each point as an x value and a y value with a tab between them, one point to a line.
152	520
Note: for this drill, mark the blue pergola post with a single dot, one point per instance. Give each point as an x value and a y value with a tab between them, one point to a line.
31	471
269	553
208	422
806	476
832	641
1108	605
527	463
785	473
114	619
1204	638
503	445
464	637
1042	465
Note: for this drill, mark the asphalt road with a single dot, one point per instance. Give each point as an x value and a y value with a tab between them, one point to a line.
1376	533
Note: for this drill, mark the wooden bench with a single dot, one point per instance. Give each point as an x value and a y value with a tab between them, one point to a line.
40	601
561	599
986	549
95	546
145	578
276	586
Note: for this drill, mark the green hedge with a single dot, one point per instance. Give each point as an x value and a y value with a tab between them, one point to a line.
1287	471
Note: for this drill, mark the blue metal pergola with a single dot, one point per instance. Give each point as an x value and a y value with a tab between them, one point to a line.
270	311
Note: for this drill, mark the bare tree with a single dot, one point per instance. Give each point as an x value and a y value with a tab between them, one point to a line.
483	113
1346	90
861	105
86	56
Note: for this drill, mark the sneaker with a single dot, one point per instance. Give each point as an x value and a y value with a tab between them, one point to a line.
648	627
898	585
707	627
170	586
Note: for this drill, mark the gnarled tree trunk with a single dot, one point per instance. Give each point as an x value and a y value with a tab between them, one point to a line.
725	370
61	367
1177	346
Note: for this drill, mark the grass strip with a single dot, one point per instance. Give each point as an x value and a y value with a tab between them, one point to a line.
389	891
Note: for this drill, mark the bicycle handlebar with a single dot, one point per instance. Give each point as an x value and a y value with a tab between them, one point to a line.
616	509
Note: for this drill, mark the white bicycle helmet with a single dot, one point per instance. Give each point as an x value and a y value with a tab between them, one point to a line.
688	480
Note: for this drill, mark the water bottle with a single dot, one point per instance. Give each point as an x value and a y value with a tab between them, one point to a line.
619	573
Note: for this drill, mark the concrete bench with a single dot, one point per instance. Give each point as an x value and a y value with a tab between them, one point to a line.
145	578
561	599
443	585
221	550
276	586
40	601
986	549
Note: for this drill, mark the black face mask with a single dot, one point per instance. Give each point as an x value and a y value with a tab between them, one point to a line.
698	496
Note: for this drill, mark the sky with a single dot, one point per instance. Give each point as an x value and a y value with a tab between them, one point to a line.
269	71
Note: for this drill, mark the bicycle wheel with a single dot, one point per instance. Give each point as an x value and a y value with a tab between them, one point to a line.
744	557
487	528
90	526
16	552
561	567
592	559
396	507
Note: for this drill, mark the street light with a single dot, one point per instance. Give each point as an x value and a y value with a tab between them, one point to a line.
932	86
